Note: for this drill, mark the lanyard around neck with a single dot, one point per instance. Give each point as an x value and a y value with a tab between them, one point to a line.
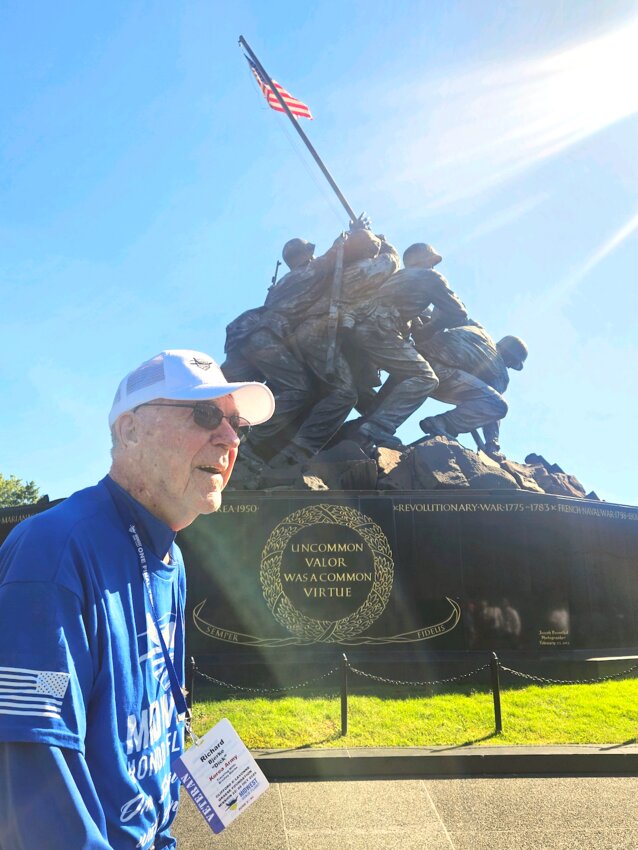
178	694
183	711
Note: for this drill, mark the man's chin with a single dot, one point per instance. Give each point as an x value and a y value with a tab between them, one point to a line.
213	502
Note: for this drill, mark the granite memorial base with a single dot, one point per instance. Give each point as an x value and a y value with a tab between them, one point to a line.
290	580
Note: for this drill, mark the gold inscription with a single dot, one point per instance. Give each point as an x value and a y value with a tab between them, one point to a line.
323	570
514	507
338	577
316	563
6	520
327	592
221	634
326	547
431	631
326	573
553	637
458	507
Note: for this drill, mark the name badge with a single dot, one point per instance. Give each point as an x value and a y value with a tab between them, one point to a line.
220	775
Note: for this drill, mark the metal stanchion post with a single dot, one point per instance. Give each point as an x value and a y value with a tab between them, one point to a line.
496	693
344	695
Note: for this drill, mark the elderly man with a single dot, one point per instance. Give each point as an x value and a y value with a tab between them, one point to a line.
92	618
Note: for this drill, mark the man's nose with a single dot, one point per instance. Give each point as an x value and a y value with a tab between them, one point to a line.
225	434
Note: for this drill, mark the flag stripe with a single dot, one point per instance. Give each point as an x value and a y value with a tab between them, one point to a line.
8	696
297	107
21	685
32	713
29	708
33	693
19	670
22	679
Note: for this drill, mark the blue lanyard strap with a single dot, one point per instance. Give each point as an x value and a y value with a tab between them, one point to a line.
183	711
178	695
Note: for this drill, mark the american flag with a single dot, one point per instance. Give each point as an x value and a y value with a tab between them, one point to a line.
295	106
32	692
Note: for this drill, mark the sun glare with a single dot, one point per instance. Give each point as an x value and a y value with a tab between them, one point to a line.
566	287
500	119
593	85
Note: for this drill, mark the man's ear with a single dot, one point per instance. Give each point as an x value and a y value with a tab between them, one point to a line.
126	430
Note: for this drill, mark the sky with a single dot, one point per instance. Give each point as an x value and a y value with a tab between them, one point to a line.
146	191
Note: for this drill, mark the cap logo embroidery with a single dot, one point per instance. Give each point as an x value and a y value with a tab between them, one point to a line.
202	364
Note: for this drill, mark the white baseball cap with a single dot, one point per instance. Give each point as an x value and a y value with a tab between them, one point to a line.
186	375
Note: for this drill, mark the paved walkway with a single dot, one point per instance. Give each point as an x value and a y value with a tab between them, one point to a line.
513	813
429	814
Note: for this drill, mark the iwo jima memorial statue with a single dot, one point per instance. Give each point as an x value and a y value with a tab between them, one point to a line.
333	534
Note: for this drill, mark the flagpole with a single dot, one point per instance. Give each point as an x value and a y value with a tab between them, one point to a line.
295	123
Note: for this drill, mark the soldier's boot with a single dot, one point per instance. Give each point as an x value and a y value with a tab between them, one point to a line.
290	455
405	397
493	450
436	426
379	436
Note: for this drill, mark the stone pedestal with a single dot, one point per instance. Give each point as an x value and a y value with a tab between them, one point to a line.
390	573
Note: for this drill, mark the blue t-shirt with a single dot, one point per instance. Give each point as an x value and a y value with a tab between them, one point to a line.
81	665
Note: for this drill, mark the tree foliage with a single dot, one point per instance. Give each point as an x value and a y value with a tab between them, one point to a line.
14	491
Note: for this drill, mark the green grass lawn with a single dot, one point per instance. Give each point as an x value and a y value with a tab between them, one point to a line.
552	714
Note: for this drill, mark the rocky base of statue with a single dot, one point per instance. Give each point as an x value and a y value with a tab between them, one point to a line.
436	463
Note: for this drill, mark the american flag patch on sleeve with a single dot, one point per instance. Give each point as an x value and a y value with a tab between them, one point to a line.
38	693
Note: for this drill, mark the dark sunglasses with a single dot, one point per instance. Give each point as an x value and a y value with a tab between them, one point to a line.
208	416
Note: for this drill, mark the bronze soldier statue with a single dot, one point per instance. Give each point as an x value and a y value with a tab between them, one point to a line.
367	262
472	372
380	330
258	349
286	343
260	342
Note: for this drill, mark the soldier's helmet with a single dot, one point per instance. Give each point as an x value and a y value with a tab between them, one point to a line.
419	250
513	351
297	252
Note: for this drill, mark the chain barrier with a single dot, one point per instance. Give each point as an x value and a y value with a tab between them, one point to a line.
265	690
494	665
549	681
416	684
